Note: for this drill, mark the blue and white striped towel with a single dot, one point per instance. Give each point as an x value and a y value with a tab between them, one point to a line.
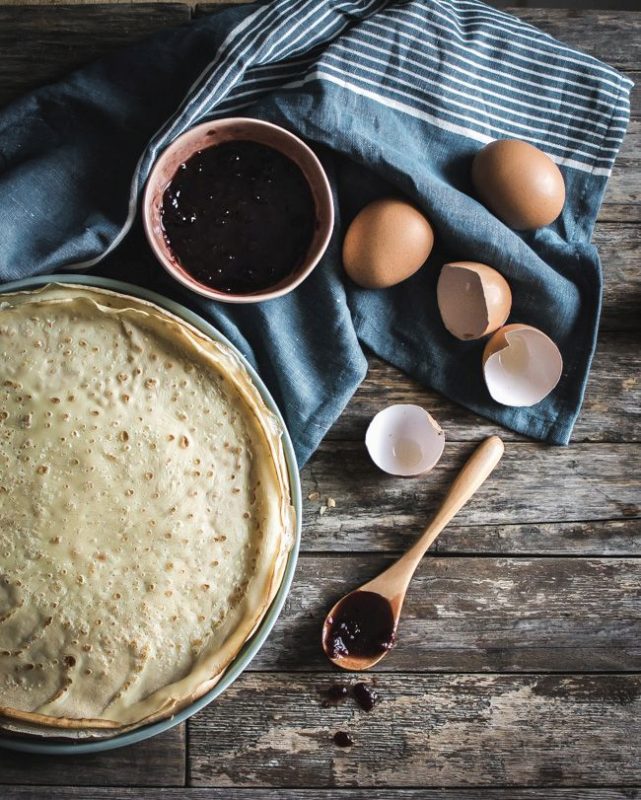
395	97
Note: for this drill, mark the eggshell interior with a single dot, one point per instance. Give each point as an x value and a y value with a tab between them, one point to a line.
404	440
474	299
521	365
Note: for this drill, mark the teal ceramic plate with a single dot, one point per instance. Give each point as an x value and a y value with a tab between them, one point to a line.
253	645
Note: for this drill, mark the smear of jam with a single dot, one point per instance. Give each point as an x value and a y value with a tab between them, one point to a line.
334	695
343	739
365	696
239	217
363	625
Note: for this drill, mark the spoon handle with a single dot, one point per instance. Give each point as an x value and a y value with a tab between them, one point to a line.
474	473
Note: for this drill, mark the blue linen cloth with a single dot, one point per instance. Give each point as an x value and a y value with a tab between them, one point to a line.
396	97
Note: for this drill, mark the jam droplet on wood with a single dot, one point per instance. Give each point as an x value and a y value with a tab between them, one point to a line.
334	695
365	696
343	739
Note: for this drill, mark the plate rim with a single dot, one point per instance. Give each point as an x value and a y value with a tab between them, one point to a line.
252	646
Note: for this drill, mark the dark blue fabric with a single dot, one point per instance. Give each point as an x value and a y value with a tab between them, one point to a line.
396	97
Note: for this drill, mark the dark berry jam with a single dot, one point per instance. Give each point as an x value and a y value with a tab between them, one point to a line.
238	217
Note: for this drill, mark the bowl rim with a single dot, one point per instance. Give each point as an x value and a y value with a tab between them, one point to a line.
251	647
181	275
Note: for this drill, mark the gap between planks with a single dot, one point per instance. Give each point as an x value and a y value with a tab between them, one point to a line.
310	793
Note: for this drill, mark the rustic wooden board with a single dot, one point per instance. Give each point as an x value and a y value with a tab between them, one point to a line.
40	44
155	762
73	793
622	201
612	36
593	538
477	615
599	482
635	94
436	730
611	411
618	246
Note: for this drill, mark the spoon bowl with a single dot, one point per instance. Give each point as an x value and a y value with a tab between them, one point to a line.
361	628
365	617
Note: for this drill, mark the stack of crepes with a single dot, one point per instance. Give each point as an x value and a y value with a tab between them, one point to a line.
145	515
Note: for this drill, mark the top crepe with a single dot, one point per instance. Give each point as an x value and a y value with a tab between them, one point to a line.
145	513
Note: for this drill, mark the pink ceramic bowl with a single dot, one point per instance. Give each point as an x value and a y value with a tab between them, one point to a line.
212	133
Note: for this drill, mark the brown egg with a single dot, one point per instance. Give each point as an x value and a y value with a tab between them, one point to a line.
474	299
388	241
519	183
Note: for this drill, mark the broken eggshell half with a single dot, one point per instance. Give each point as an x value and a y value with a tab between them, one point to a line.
474	299
521	365
404	440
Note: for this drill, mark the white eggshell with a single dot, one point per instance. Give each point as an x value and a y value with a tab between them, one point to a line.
404	440
521	365
474	299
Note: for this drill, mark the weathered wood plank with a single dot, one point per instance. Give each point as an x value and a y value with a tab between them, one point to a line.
155	762
611	412
439	730
600	538
533	483
477	615
612	36
635	94
595	538
75	793
620	212
622	201
618	246
40	44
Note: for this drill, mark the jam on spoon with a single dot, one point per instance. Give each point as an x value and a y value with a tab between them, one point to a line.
362	625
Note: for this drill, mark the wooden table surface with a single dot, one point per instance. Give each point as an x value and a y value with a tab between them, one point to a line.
518	672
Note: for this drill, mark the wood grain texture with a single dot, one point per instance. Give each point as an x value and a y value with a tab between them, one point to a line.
611	36
576	539
74	793
533	483
618	246
155	762
622	201
477	615
611	411
40	44
428	730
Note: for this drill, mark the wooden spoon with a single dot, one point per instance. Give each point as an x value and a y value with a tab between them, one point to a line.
361	628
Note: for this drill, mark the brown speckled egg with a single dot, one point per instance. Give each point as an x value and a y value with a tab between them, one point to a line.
388	241
519	183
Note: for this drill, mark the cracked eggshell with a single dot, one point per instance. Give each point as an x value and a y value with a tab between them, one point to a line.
474	299
404	440
521	365
386	243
